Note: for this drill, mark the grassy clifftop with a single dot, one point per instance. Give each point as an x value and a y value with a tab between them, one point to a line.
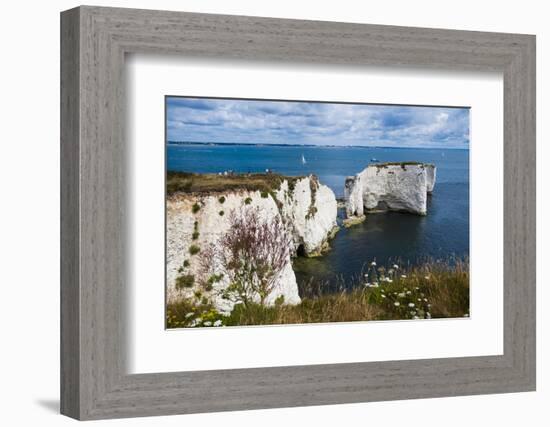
432	290
186	182
402	164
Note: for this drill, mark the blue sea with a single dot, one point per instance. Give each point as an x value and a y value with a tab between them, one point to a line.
441	234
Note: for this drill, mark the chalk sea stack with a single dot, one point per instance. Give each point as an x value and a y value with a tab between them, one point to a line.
401	187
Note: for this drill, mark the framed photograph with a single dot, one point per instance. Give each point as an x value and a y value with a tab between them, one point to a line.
267	204
281	213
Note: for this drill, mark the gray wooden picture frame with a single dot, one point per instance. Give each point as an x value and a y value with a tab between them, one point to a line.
94	41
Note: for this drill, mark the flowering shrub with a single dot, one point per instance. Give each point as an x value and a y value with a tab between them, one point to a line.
253	254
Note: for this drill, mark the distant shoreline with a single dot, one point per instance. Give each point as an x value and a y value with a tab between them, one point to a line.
255	144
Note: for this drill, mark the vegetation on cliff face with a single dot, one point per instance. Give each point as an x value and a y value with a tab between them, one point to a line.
185	182
432	290
313	187
253	254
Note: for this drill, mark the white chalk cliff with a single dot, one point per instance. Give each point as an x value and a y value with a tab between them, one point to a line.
308	210
390	186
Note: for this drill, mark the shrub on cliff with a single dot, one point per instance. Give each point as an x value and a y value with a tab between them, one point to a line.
253	254
186	281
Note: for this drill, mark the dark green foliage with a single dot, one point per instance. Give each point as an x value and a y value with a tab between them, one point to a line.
195	235
208	286
194	249
291	185
265	194
221	213
186	263
221	200
185	281
247	201
196	207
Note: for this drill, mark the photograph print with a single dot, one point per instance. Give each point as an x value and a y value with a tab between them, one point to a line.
298	212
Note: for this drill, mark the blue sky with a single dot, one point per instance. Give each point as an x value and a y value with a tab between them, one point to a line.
287	122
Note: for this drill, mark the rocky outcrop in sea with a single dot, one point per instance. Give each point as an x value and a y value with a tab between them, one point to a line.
402	187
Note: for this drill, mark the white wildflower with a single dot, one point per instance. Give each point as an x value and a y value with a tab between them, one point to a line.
403	276
373	263
195	322
428	315
427	277
401	295
409	292
367	285
417	288
383	296
425	299
396	266
188	315
396	303
375	285
411	304
218	323
207	323
418	299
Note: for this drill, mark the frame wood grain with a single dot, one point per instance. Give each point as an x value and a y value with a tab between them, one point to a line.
94	41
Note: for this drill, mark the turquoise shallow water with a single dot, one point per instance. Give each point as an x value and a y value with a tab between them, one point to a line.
443	233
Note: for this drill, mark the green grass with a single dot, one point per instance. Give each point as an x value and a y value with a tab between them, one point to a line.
435	290
186	182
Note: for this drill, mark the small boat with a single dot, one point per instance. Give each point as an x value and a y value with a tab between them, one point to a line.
374	160
303	160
